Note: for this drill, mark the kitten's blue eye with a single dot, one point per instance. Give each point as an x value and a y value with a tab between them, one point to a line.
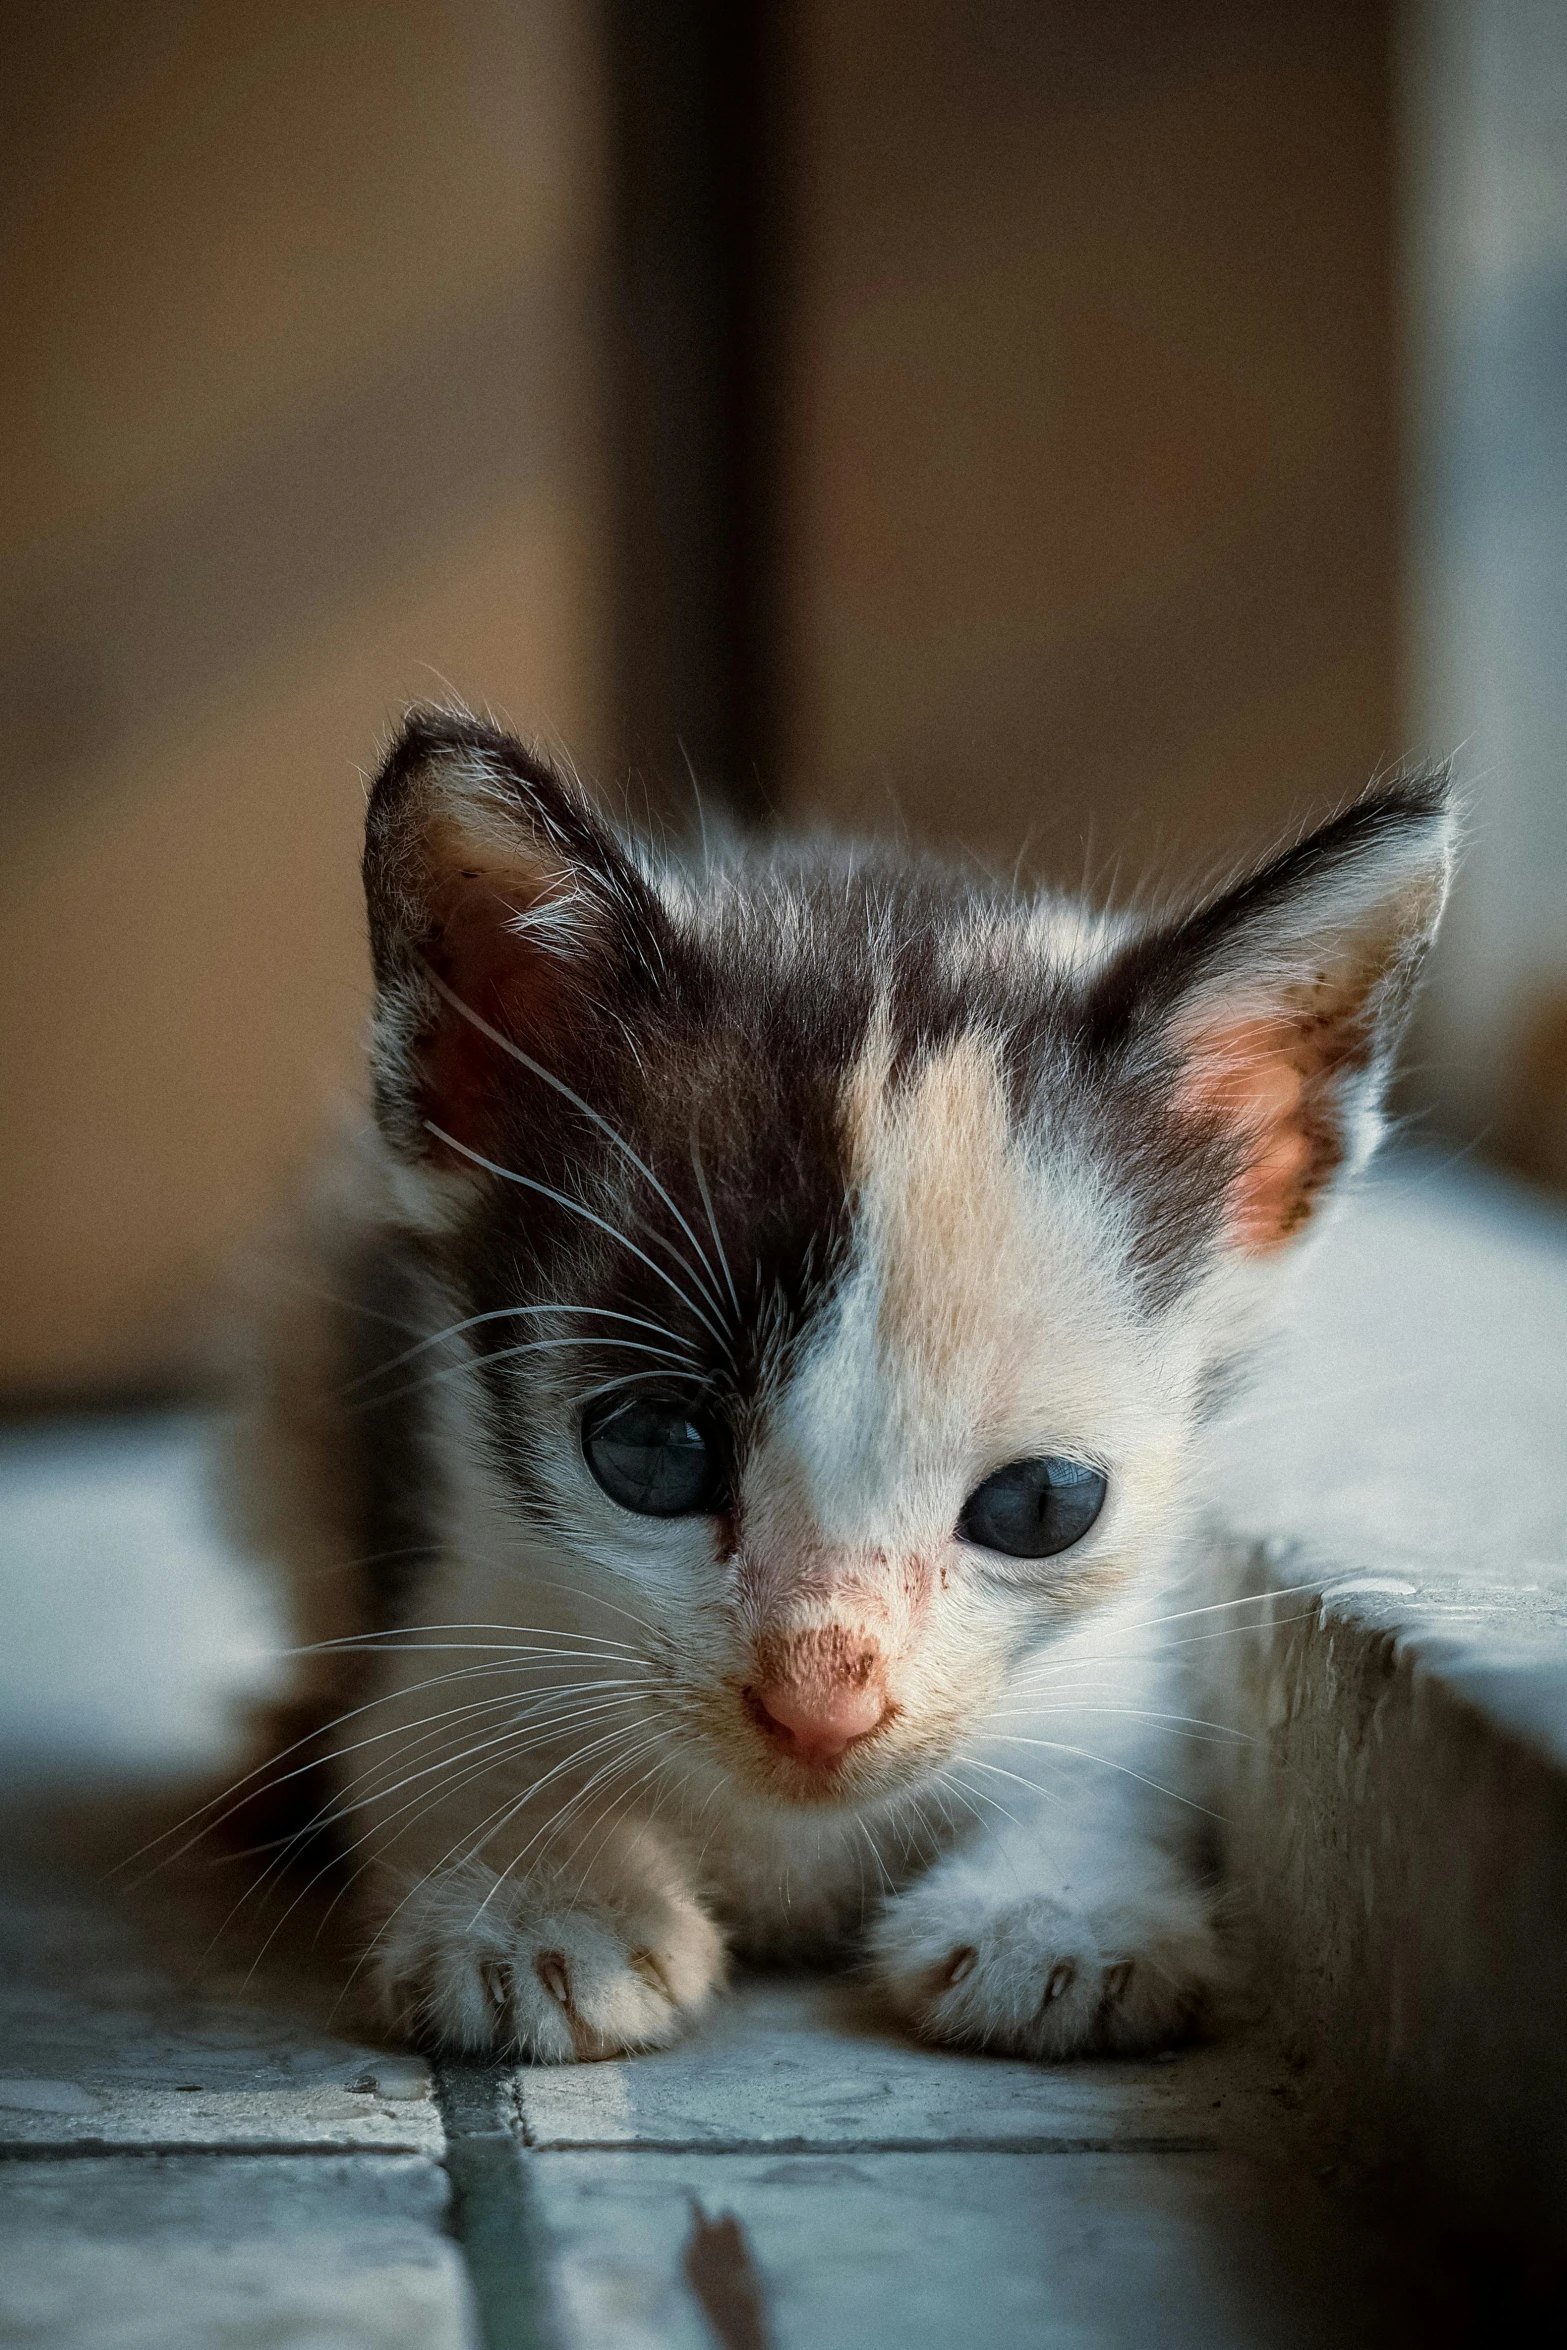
655	1457
1032	1509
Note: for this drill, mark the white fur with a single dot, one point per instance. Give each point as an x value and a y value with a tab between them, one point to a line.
498	1918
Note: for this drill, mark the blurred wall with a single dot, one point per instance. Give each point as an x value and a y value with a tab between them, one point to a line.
299	400
1485	94
1095	509
1086	428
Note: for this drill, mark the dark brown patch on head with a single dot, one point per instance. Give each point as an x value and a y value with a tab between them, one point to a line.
689	1097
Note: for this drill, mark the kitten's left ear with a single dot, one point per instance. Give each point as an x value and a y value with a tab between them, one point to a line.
1269	1018
505	917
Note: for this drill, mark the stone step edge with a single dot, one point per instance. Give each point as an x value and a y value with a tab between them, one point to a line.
1398	1825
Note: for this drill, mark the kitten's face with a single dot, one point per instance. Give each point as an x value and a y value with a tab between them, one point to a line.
857	1244
932	1281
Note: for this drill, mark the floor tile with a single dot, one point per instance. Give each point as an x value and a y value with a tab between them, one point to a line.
135	2252
816	2061
935	2250
108	2038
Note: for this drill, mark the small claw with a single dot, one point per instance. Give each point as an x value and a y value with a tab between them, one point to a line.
496	1977
1061	1978
550	1967
1117	1978
962	1962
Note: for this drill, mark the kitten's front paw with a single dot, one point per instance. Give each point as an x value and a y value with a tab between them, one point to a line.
496	1966
1037	1975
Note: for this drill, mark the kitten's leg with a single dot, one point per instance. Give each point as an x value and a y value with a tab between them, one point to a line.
554	1959
1073	1929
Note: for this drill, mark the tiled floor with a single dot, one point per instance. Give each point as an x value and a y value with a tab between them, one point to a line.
192	2153
197	2148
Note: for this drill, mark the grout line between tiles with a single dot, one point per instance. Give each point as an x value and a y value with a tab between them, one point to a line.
109	2149
963	2145
494	2218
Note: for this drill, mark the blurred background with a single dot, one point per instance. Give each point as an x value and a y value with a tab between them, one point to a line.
1099	434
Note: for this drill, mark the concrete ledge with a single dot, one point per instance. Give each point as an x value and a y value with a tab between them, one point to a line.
1400	1483
1402	1825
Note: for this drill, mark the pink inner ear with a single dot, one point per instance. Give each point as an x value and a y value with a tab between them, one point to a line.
1254	1075
522	984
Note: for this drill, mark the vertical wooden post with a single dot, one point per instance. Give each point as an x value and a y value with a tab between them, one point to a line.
695	130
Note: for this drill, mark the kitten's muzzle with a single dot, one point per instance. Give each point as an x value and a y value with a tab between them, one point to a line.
818	1693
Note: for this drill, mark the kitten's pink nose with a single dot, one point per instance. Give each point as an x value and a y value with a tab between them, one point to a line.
821	1694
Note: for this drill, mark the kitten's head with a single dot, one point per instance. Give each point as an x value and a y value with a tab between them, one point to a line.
856	1243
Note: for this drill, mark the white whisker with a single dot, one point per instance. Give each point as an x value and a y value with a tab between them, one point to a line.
502	1314
596	1599
1082	1754
547	1077
1136	1713
712	1223
233	1795
506	1354
576	1208
450	1786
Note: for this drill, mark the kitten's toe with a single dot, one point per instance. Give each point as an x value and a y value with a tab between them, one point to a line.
1025	1979
1041	1977
490	1967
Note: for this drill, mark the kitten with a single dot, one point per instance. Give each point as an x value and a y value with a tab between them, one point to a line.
737	1483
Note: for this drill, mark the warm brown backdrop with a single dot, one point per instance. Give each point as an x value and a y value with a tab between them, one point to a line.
1095	529
299	367
1088	506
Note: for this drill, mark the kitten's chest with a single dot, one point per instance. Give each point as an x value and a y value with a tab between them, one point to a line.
805	1889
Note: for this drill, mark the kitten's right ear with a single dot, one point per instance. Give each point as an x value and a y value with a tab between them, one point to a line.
1268	1017
504	916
